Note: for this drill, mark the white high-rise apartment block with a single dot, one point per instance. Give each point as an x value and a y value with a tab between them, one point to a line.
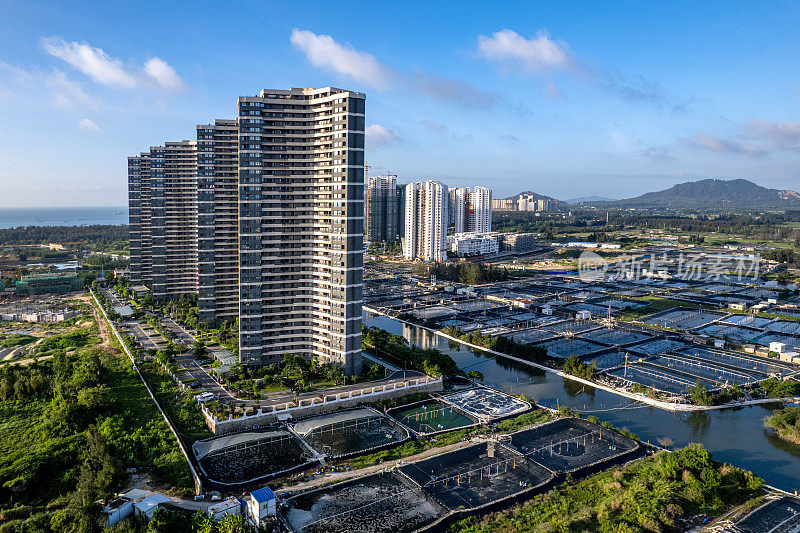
480	210
471	209
426	217
459	208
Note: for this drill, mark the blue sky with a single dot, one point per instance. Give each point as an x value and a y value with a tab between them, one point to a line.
566	99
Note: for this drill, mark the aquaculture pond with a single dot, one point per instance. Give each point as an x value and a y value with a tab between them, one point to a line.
735	436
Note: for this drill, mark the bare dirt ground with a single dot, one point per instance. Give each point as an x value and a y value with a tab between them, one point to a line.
102	329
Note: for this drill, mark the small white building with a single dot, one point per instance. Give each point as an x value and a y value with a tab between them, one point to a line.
777	347
261	504
547	310
467	291
123	506
469	244
228	506
583	315
147	506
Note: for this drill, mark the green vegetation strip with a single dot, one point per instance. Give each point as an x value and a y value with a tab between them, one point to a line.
69	427
16	339
395	348
786	423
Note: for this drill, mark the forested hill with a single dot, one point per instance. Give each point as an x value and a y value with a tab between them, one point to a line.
711	194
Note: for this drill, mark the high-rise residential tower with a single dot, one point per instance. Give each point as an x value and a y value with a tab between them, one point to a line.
471	209
263	217
301	225
381	217
162	185
426	216
480	210
459	209
139	192
218	221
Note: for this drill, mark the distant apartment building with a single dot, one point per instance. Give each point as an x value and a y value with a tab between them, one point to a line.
472	244
530	202
526	202
382	209
470	209
480	210
426	218
162	185
263	217
545	204
457	206
520	243
503	204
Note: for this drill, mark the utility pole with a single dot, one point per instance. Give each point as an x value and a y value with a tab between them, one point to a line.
625	372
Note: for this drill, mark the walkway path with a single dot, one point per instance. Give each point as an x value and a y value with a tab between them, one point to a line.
329	477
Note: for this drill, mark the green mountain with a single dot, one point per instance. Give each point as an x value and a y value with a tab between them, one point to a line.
710	194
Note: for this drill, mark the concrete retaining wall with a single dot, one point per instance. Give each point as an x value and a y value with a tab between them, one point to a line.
198	482
317	406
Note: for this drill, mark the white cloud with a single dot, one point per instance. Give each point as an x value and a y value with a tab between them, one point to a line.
378	136
324	52
45	88
163	74
543	55
715	143
88	125
93	62
106	70
457	91
756	138
67	92
537	53
775	135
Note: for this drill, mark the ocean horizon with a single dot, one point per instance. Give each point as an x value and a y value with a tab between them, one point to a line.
14	217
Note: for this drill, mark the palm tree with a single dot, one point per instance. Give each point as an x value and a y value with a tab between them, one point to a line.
202	523
231	524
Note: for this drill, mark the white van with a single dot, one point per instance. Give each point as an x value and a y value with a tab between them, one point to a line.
205	397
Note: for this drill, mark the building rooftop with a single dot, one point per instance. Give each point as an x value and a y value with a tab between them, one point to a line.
263	495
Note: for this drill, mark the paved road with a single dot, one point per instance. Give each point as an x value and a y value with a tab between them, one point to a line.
180	333
207	383
112	299
148	341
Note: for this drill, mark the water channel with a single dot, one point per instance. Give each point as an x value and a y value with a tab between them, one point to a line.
735	436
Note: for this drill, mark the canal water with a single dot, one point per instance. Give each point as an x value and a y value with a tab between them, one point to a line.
736	436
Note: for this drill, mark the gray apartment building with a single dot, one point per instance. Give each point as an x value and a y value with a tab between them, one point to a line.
163	218
218	221
273	225
382	210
